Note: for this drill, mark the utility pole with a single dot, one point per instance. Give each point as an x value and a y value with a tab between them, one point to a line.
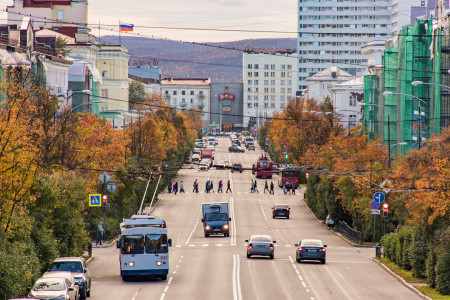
389	143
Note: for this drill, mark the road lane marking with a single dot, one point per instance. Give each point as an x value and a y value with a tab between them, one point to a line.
303	283
205	245
170	280
165	290
237	292
337	282
135	295
262	208
193	230
191	245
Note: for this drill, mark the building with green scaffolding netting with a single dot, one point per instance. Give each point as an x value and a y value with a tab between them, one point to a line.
403	100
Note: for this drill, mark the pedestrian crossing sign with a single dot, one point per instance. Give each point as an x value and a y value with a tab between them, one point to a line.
95	200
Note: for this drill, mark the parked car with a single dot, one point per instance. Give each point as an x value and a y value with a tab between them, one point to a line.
66	275
237	168
79	269
260	245
309	249
280	210
53	288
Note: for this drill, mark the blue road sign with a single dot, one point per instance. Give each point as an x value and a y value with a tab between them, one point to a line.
95	200
378	197
374	204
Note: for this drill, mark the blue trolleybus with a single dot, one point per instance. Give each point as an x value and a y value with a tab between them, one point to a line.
144	247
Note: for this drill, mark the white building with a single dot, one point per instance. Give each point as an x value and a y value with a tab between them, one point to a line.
188	93
269	81
319	85
345	100
332	33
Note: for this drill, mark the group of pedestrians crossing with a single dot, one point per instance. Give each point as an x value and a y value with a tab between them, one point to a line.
288	188
174	188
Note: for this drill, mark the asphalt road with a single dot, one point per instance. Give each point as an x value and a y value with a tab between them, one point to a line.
217	267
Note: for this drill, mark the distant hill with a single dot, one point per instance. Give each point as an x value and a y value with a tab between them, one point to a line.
178	59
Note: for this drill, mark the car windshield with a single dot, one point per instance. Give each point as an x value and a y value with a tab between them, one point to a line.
216	217
132	244
50	284
237	165
156	243
71	266
311	243
261	239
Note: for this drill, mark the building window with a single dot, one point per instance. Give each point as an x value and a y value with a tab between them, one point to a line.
272	105
352	100
60	15
192	100
249	66
255	104
183	93
105	74
256	81
200	92
272	67
249	105
266	67
256	66
166	92
249	81
249	74
192	92
104	93
256	74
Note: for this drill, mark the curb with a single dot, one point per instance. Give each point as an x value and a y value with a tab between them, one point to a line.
340	235
403	281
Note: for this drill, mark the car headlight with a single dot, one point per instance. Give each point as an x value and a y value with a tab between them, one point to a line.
131	264
80	280
208	227
225	226
158	263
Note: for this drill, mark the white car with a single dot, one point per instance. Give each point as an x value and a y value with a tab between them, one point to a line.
195	157
222	164
53	288
203	165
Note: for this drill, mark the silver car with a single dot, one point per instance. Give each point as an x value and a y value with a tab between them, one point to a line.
52	288
260	245
66	275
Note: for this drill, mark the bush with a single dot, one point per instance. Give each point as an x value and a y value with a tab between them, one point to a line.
418	252
388	242
430	265
404	238
443	262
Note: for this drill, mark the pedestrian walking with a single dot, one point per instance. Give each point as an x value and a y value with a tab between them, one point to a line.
266	187
288	187
194	186
212	186
271	188
229	186
255	187
252	187
175	188
293	189
169	187
219	189
99	233
182	187
284	189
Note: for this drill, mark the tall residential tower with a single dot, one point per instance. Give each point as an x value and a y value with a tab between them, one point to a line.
332	32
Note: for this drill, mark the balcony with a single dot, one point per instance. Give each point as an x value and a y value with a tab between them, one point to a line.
200	97
201	105
183	104
167	96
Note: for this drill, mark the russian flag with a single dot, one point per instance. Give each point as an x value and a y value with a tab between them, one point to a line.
126	27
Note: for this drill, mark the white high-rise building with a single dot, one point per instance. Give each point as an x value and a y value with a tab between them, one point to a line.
269	81
332	32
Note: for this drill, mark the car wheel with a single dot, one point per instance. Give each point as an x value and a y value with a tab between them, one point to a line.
248	255
206	234
298	260
273	217
271	256
164	277
124	278
83	295
323	261
288	217
89	292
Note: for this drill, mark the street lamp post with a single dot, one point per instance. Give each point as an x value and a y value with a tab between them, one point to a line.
415	98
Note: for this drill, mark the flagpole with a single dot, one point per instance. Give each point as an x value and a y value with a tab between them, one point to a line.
120	35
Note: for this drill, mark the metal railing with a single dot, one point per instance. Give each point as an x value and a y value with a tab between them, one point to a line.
350	232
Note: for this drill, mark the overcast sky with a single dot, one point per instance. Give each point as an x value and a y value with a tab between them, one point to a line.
267	15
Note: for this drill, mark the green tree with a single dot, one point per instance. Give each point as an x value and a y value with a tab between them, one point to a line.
136	93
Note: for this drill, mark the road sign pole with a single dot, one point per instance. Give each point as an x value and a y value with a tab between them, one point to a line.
104	208
374	219
385	218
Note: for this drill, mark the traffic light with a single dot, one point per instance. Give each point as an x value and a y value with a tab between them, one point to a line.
286	155
385	210
104	200
307	175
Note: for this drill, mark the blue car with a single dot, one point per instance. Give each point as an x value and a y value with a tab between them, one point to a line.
309	249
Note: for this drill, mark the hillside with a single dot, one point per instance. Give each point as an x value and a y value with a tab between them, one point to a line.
178	59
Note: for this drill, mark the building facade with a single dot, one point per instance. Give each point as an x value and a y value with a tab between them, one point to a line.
49	14
112	63
188	94
227	106
319	85
269	81
332	33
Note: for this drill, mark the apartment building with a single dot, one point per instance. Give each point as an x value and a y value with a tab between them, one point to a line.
269	81
332	32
